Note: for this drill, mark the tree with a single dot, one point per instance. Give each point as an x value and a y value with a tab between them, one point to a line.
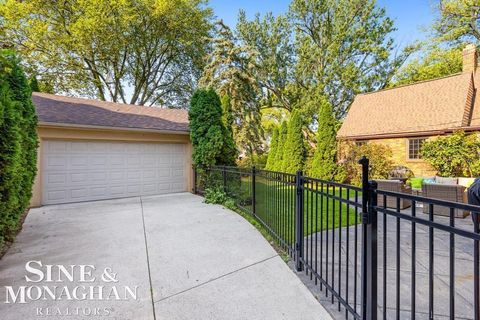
437	62
324	163
140	52
294	152
380	157
229	70
279	155
458	21
343	47
272	153
212	144
34	86
454	155
18	145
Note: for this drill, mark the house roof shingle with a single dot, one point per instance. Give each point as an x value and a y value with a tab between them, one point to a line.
434	105
54	109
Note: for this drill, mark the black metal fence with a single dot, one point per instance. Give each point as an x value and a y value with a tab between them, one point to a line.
373	256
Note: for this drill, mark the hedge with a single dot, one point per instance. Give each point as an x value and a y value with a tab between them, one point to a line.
18	145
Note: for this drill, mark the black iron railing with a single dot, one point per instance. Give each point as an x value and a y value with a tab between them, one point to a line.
371	258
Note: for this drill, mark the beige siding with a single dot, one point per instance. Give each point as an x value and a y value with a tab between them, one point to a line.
70	133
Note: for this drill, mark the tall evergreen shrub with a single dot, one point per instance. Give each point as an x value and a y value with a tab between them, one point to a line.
282	137
212	141
324	164
294	152
18	145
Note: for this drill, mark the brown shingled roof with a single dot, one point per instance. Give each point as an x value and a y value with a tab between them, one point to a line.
54	109
435	105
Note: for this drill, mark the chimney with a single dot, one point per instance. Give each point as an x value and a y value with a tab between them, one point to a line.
469	58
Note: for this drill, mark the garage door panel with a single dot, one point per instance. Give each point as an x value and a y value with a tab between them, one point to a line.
89	170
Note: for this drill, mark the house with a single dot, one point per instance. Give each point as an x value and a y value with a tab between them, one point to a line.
402	118
95	150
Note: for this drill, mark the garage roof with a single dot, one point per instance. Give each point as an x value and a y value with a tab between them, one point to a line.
54	109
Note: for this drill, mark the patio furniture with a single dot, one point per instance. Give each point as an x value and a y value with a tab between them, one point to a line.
447	192
394	186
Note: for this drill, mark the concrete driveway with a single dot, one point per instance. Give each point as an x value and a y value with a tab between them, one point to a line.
164	257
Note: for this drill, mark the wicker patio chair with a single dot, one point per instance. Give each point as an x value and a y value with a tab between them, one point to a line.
394	186
448	192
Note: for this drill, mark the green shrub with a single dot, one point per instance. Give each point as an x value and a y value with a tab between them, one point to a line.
277	164
212	141
324	163
294	152
455	155
215	195
18	145
380	162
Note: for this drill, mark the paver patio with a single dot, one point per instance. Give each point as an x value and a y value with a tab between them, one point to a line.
189	260
463	268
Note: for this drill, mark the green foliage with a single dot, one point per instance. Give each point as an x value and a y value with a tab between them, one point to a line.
458	21
294	152
153	48
34	84
215	196
277	164
343	47
436	63
380	162
272	65
455	155
272	153
211	140
229	70
257	160
324	164
18	145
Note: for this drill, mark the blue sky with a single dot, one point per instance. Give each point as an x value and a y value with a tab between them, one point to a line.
410	15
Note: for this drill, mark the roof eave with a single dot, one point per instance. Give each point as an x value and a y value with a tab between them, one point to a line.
81	126
408	134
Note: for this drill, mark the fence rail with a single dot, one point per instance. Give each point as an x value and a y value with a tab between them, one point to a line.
375	254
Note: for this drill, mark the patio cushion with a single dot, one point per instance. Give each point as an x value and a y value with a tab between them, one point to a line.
416	183
466	182
442	180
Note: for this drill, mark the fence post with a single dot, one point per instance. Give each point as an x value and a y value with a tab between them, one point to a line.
299	220
254	198
369	244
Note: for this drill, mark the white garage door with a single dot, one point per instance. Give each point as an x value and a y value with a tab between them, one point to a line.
75	171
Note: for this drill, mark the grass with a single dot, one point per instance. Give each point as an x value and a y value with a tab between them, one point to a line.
275	206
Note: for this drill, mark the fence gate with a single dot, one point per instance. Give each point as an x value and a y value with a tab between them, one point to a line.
376	254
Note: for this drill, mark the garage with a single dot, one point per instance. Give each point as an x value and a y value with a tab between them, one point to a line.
96	150
76	171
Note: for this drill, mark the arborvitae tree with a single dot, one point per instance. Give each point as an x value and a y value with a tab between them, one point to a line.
282	137
272	153
212	142
18	144
324	164
22	94
34	86
294	151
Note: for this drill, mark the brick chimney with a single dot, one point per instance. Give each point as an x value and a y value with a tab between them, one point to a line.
469	58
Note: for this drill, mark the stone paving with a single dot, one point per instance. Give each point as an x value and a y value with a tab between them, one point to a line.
463	273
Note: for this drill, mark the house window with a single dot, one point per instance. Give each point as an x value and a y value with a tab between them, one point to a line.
414	148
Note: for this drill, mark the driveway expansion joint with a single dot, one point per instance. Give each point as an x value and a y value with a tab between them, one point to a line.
217	278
